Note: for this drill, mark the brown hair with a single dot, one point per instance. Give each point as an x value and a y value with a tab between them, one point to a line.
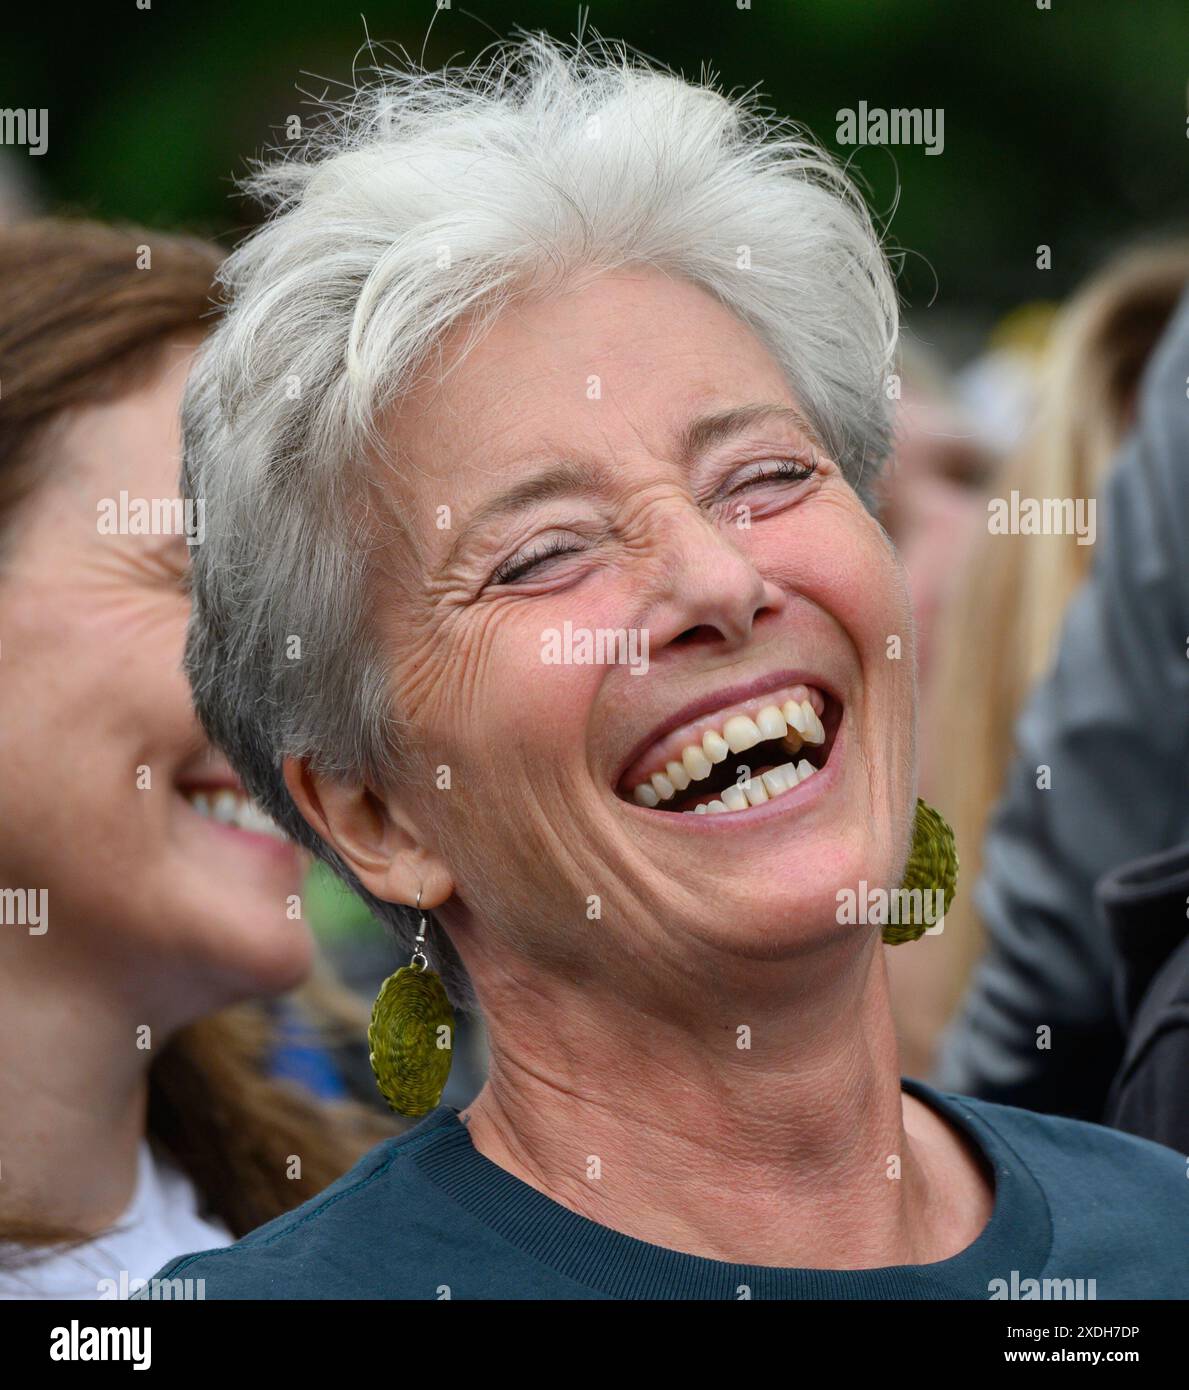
84	321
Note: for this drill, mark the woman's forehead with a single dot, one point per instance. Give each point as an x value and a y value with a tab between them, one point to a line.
624	366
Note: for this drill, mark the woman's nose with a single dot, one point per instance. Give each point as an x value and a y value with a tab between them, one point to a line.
713	593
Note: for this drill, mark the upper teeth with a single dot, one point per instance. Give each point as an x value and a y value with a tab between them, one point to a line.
796	721
234	808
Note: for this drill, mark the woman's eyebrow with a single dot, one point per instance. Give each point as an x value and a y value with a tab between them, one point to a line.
568	478
575	477
708	430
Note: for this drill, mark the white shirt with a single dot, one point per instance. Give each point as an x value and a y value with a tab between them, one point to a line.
161	1222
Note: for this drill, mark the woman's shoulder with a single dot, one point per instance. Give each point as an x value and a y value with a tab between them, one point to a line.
1118	1188
1092	1203
1053	1142
327	1247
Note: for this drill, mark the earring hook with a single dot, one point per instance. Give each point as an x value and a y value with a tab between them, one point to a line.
419	957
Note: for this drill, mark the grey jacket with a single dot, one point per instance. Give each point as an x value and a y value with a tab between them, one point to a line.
1112	724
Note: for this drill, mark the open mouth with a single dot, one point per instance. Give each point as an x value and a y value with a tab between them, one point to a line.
781	738
232	807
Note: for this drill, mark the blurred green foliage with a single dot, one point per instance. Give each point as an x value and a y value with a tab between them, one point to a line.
334	911
1064	126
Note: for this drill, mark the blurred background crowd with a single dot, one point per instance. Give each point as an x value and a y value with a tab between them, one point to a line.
1042	254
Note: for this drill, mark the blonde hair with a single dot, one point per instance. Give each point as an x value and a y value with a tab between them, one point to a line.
999	633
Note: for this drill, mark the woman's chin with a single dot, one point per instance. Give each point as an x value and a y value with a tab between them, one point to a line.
808	894
255	951
788	923
239	911
284	970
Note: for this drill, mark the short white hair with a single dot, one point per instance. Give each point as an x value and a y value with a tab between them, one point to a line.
423	197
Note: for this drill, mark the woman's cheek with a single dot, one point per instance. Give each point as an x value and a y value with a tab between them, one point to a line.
499	674
874	593
834	552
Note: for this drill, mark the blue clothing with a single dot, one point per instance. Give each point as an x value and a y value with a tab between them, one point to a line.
426	1216
299	1054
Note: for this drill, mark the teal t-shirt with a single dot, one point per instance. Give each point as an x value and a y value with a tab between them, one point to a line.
1080	1212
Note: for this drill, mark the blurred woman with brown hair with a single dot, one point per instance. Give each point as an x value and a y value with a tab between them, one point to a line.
141	892
998	634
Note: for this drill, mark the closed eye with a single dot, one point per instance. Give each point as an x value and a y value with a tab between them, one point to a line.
517	566
788	470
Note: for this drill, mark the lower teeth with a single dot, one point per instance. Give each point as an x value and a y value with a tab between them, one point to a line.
770	784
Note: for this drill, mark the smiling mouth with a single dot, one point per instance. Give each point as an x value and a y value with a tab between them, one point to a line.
783	738
232	807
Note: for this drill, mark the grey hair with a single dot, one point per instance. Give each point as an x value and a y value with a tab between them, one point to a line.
421	198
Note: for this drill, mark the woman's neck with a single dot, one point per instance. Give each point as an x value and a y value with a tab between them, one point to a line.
73	1097
771	1136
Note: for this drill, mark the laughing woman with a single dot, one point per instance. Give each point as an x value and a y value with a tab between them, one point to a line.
140	893
571	341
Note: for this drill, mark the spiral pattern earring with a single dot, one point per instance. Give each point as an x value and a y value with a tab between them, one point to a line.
932	868
411	1035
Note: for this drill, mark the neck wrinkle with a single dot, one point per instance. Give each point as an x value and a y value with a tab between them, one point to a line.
777	1155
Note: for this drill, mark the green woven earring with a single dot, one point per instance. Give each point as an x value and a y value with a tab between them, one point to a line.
411	1035
932	866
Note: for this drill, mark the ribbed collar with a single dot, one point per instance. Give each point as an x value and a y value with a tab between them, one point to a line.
1017	1237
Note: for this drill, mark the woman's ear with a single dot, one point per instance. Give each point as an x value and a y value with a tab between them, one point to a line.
387	859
